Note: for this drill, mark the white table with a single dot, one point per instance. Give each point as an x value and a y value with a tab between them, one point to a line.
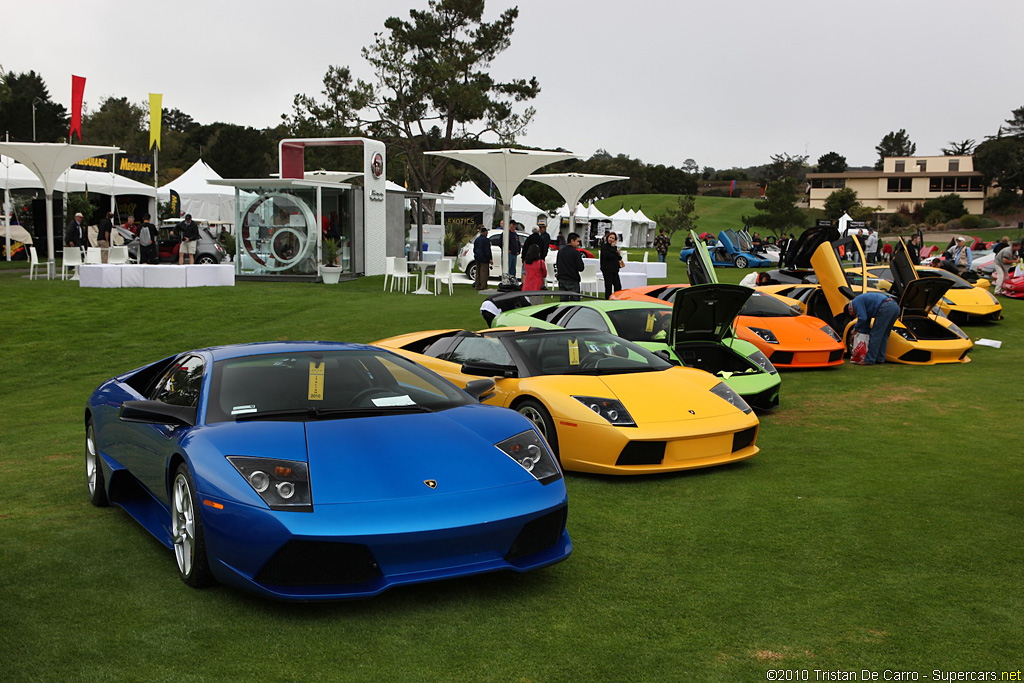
422	265
161	276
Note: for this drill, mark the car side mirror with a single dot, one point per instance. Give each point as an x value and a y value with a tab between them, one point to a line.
480	389
158	412
488	370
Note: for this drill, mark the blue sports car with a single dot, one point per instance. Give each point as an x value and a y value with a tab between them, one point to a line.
730	252
316	470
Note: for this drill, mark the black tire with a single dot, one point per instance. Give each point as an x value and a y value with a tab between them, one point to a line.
189	547
471	271
537	414
205	259
741	261
94	479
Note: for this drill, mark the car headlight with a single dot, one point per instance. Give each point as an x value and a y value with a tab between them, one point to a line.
724	391
905	333
957	331
609	409
764	334
529	450
993	296
282	484
762	361
832	333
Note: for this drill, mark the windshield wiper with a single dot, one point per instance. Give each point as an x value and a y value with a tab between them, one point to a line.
314	413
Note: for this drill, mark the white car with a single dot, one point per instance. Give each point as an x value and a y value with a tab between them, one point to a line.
468	265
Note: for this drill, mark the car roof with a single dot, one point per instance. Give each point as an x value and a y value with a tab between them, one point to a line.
263	348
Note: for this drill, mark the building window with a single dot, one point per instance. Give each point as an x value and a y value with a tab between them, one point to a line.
954	165
901	166
922	165
899	184
827	183
947	184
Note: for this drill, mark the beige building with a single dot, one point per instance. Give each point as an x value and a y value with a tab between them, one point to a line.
905	181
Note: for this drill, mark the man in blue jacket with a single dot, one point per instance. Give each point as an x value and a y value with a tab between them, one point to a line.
884	311
482	257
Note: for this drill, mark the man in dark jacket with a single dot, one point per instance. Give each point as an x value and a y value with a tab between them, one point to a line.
540	238
148	248
189	232
75	235
482	258
569	265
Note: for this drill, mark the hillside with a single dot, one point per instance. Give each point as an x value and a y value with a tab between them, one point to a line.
715	213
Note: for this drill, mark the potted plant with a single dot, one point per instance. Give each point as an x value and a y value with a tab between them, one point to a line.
330	271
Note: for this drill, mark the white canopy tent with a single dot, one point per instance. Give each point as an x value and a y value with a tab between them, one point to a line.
572	187
646	229
198	197
506	168
526	212
468	198
48	161
622	223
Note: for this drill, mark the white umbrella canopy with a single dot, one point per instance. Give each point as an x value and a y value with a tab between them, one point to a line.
48	160
572	186
507	168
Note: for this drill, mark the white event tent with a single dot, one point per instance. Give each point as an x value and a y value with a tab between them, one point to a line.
199	198
526	212
468	198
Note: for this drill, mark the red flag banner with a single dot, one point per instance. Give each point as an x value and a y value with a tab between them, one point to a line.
77	91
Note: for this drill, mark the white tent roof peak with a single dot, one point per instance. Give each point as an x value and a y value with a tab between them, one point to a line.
506	167
48	160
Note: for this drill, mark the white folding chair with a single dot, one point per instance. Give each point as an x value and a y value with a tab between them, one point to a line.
118	255
402	273
442	273
588	277
93	255
33	262
71	258
389	270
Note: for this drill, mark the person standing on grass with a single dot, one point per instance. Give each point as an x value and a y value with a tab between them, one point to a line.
514	248
661	244
74	236
189	238
883	310
535	271
482	258
569	265
149	251
611	262
1006	258
914	250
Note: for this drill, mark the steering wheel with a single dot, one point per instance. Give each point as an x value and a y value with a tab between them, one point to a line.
368	393
591	359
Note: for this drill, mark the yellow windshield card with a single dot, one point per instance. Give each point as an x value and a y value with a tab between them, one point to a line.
650	323
316	381
574	352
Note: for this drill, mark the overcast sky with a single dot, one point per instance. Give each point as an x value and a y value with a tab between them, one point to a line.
724	83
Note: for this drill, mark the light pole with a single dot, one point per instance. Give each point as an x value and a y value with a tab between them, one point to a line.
34	102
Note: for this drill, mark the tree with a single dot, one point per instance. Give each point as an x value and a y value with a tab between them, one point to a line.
16	106
785	166
894	144
240	151
832	162
948	206
779	212
840	202
681	216
431	90
1015	124
117	122
957	149
1001	161
690	166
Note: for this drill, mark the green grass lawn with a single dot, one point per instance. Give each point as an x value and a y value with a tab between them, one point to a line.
879	527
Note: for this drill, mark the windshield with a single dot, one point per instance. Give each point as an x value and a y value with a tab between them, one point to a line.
958	282
585	352
767	306
324	384
642	324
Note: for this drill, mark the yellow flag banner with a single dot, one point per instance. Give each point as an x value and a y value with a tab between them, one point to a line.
156	112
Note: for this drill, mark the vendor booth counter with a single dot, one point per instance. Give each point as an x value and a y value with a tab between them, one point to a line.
133	275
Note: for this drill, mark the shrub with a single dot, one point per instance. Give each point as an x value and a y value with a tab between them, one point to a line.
935	217
970	222
987	223
949	205
1004	202
899	220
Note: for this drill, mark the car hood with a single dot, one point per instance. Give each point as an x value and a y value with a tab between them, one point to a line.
391	457
920	296
706	312
798	331
673	395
